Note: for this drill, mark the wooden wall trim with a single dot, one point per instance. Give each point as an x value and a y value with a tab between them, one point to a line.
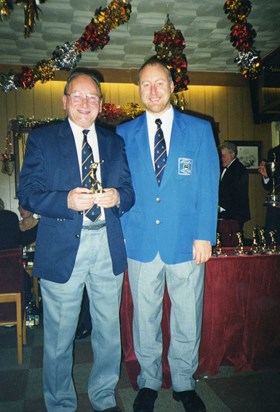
130	76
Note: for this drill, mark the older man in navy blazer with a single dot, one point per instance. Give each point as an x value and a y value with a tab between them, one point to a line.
73	251
168	234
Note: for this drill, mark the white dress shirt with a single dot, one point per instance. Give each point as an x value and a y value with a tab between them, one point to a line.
93	142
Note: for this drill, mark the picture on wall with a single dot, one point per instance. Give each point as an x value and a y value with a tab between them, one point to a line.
249	154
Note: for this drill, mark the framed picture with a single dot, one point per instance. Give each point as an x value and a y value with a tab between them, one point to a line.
249	153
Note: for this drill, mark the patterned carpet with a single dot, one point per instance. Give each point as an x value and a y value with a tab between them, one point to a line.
21	386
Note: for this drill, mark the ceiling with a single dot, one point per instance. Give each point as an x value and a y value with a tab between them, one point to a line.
203	24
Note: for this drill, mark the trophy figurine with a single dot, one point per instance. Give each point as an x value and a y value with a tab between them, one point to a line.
273	199
255	247
96	185
240	249
217	250
262	241
272	246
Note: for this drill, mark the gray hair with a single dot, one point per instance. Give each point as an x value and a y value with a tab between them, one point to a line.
82	72
2	205
232	148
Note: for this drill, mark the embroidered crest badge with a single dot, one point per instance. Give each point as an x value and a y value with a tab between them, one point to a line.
185	166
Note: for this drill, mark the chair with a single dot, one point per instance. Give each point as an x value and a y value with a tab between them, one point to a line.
12	294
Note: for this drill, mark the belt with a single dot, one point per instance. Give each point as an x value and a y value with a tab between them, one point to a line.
94	226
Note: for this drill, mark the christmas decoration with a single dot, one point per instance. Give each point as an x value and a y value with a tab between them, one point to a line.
6	7
169	45
242	38
31	12
8	156
94	37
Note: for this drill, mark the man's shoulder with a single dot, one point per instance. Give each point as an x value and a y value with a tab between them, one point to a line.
132	123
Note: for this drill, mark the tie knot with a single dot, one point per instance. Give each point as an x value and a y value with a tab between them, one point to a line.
85	132
158	122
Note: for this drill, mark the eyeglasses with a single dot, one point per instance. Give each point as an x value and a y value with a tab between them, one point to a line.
77	97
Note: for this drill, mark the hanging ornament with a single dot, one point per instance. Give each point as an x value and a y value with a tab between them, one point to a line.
169	45
242	37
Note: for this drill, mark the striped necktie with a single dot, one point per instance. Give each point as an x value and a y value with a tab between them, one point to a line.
87	159
160	154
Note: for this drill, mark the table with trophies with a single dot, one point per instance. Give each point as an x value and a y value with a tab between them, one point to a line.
241	311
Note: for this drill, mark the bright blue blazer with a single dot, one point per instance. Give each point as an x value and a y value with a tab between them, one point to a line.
167	219
50	170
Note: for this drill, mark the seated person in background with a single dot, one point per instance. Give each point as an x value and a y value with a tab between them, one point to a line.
28	227
233	188
272	220
9	228
10	238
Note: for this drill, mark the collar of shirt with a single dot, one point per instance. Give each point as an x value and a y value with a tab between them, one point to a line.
92	141
167	120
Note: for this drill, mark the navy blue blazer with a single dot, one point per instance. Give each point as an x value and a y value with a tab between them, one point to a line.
50	170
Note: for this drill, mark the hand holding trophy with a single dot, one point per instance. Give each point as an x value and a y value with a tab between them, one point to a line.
96	185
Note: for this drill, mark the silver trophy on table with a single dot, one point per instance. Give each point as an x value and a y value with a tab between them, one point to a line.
273	199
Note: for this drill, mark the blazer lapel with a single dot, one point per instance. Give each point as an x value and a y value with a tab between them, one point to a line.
66	150
141	138
178	133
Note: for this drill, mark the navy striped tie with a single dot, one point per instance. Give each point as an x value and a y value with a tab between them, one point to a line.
160	154
87	159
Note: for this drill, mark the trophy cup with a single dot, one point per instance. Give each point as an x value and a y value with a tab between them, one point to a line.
96	185
272	199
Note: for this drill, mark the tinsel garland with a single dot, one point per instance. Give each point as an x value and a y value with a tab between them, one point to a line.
242	38
169	45
66	56
31	12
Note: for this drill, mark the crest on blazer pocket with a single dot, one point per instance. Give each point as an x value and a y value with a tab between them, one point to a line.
185	166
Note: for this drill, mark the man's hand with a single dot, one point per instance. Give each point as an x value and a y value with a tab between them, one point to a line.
109	198
80	199
262	169
202	251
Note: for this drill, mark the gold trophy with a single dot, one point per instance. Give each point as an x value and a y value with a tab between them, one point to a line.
255	247
273	199
272	246
240	249
262	241
217	250
96	185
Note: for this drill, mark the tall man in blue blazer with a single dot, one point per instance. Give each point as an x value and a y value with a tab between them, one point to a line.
168	234
72	251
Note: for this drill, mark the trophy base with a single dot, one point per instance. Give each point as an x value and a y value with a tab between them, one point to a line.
272	200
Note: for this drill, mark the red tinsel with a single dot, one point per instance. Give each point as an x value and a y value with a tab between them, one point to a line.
25	78
242	36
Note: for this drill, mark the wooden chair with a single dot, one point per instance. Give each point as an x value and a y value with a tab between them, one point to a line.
12	294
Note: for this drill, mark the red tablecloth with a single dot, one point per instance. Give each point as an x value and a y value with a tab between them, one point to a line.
241	317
